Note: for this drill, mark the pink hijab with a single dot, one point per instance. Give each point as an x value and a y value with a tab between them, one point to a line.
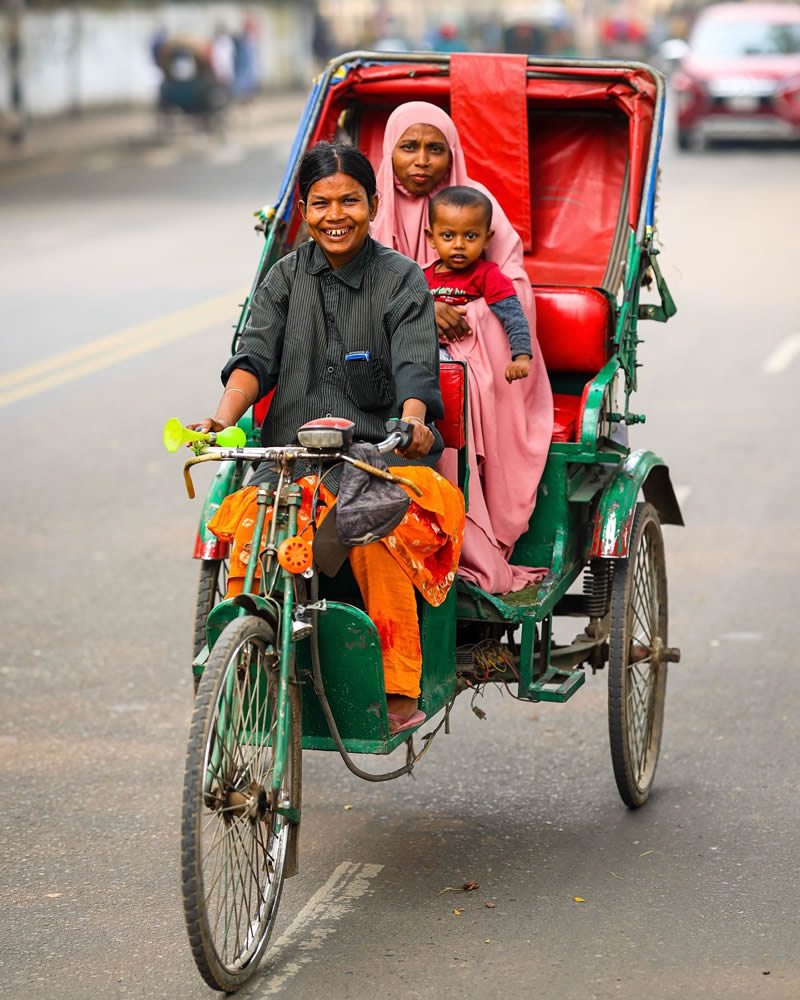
510	426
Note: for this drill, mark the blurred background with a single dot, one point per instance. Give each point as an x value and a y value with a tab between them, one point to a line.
62	57
136	141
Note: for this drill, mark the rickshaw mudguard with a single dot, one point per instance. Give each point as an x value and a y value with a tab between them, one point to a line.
641	470
234	607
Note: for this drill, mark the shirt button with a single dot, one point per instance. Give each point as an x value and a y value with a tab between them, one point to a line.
330	369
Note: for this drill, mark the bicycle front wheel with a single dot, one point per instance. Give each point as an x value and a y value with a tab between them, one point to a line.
234	841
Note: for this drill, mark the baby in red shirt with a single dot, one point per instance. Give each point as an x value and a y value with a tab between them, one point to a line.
460	221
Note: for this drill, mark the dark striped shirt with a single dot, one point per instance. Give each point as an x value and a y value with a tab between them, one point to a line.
305	318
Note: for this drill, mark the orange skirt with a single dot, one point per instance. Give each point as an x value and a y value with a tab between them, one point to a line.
422	552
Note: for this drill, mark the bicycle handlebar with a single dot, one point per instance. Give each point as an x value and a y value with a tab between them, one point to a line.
286	453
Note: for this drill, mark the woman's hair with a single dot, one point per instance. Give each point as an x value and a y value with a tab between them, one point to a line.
325	159
461	196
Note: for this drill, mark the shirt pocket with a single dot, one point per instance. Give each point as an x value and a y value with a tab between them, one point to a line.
369	382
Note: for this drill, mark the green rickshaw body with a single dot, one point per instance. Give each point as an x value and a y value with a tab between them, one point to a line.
573	132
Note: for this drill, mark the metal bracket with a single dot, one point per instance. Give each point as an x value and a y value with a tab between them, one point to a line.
302	609
659	313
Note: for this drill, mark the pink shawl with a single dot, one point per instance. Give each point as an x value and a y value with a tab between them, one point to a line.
510	426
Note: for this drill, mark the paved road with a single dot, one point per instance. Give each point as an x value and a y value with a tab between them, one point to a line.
693	896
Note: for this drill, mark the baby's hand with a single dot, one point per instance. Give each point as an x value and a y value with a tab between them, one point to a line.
518	368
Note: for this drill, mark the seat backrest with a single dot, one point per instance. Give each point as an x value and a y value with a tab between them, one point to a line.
573	327
453	386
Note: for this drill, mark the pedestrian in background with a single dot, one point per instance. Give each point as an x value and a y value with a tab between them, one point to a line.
245	60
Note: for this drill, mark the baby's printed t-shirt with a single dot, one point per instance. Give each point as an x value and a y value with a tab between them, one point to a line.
482	280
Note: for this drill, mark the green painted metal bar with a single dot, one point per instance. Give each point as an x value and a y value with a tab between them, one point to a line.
543	689
281	740
264	496
594	403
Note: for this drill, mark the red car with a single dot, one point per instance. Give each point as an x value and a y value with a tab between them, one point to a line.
741	76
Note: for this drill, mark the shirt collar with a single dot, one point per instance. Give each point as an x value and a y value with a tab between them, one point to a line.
351	273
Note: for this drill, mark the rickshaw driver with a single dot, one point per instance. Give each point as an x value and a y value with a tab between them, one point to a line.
345	326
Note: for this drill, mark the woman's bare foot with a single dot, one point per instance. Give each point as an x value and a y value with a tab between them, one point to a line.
400	705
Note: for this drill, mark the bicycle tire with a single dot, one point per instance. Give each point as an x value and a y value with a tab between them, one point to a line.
637	675
234	846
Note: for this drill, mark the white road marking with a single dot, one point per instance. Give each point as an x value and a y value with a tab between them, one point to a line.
120	346
743	636
682	493
315	922
782	356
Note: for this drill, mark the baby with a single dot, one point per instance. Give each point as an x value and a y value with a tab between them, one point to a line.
460	221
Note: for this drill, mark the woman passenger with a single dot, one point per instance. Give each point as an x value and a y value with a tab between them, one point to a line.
343	326
510	427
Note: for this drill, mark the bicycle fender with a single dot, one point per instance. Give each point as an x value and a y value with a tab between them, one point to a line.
235	607
641	470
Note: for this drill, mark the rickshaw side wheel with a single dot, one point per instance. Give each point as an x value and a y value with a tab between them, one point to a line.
236	848
637	668
211	587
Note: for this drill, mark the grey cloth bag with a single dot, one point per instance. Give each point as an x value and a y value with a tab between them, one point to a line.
368	508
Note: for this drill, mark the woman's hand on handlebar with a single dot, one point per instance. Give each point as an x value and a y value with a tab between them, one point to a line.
421	442
451	322
205	425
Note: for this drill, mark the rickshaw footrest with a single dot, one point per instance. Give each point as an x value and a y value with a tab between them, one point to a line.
556	685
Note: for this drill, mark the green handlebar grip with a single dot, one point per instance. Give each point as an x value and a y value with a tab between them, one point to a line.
231	437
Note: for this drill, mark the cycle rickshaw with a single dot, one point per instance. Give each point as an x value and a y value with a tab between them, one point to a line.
297	665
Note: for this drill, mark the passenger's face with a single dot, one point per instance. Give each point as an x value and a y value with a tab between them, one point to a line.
338	213
459	234
421	159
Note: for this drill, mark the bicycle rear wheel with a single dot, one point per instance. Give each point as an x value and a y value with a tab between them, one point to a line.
637	662
234	843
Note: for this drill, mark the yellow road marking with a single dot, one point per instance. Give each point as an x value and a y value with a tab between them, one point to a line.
106	351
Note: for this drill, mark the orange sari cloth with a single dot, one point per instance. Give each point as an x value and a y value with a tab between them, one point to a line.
425	547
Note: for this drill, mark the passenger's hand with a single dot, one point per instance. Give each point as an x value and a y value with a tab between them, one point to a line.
451	322
518	368
421	442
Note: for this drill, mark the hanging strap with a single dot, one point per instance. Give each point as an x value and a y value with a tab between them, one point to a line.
488	103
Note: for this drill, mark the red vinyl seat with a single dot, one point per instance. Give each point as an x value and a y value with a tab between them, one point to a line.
453	385
573	327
